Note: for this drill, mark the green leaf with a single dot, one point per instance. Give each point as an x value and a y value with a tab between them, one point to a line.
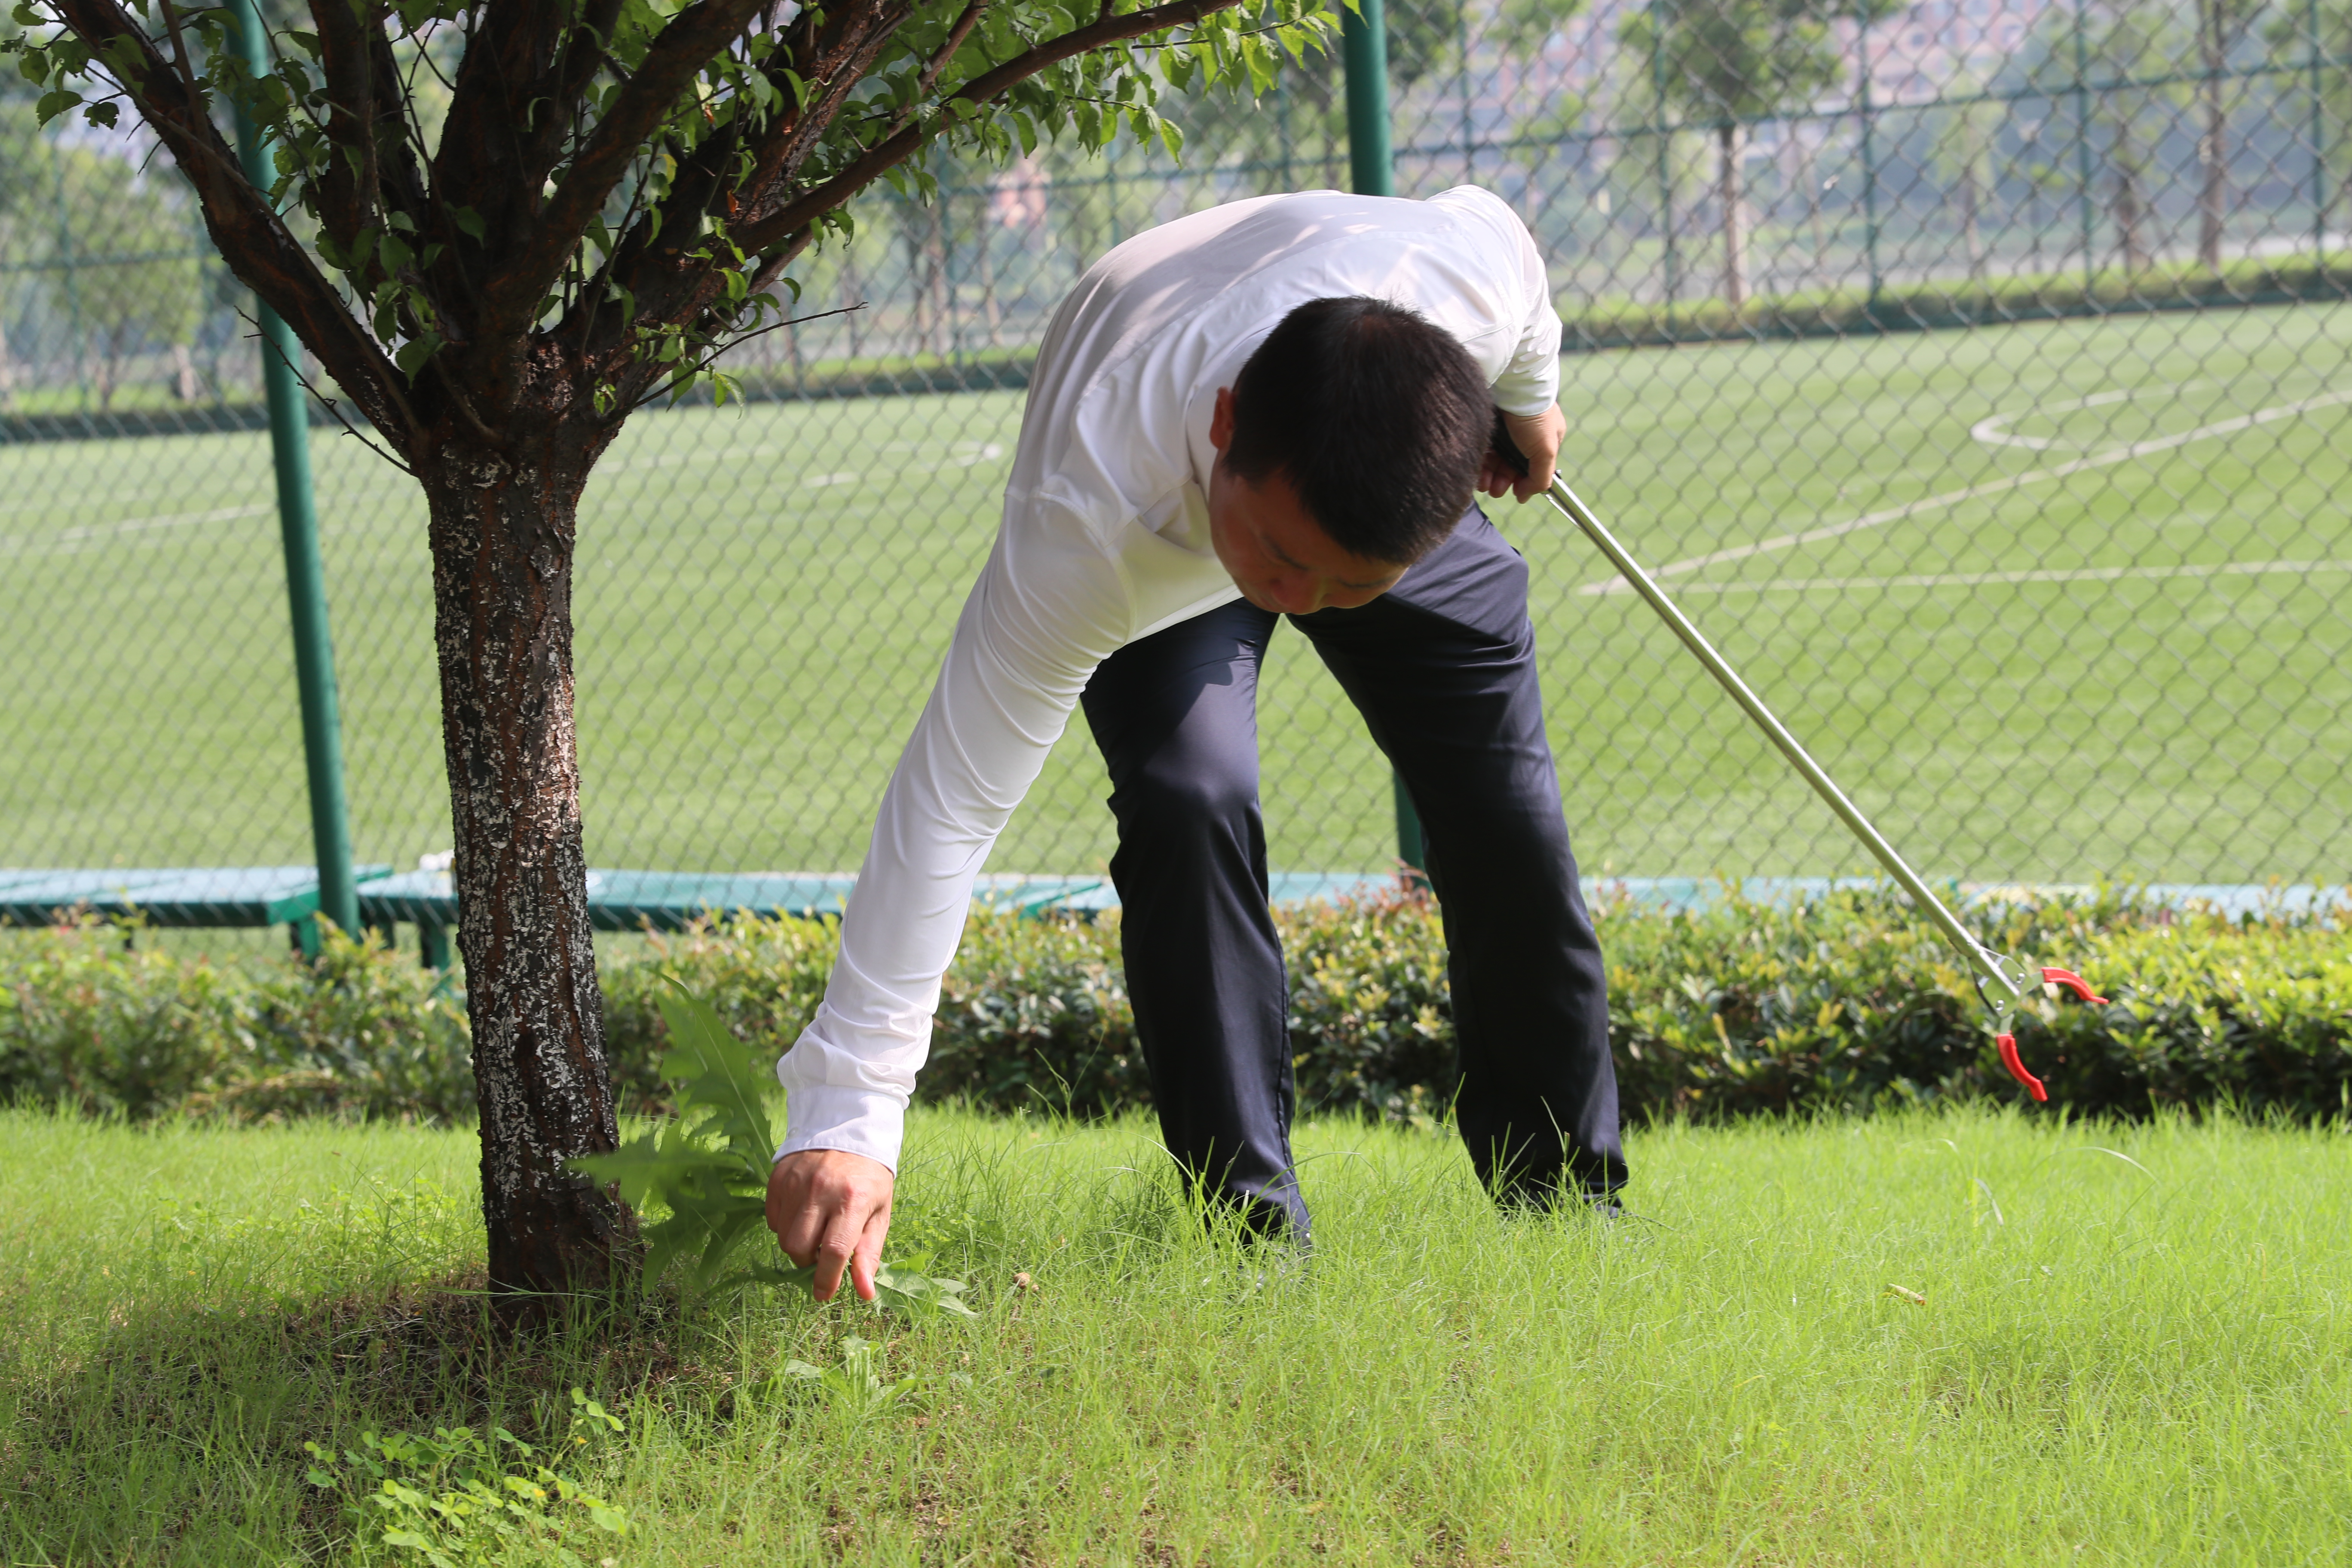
53	102
643	1166
912	1291
413	354
714	1071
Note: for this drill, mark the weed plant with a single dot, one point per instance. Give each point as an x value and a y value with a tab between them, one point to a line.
1962	1337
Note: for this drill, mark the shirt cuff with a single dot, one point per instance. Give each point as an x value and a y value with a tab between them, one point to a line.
1527	395
855	1120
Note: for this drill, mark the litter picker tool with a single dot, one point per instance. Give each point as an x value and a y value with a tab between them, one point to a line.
2002	981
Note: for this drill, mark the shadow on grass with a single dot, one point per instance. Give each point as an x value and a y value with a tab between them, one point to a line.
177	1434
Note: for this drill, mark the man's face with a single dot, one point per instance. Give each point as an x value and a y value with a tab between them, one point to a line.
1279	556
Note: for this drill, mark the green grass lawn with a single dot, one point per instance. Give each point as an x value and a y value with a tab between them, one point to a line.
2133	1349
764	594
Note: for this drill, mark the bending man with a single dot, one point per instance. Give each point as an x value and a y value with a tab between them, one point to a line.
1279	407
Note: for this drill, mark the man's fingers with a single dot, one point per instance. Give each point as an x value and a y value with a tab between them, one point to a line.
830	1211
832	1256
868	1255
1538	481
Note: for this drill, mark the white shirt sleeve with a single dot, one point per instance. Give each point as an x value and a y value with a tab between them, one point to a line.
1049	606
1530	380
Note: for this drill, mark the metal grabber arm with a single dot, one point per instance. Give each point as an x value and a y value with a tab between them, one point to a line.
2001	981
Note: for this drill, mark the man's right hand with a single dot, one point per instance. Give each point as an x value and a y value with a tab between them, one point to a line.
832	1209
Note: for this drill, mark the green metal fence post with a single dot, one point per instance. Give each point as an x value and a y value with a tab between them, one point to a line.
306	578
1364	48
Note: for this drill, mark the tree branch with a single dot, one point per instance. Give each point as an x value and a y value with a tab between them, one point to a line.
324	401
949	46
687	377
850	44
894	149
677	55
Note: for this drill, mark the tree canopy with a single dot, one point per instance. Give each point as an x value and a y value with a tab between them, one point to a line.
488	199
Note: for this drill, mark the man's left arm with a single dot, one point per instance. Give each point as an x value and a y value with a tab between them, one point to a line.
1528	391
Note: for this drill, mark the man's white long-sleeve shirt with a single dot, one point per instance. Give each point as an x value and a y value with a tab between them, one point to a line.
1106	540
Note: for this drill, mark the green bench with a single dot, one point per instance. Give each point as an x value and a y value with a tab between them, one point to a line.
227	895
669	901
617	901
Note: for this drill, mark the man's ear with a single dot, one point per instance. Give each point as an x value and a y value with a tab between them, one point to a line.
1221	422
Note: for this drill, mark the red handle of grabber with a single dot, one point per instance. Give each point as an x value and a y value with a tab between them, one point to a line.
2008	1043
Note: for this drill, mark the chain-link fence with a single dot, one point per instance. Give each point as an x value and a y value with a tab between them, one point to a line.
1979	374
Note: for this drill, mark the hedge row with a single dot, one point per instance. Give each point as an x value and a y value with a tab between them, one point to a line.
1841	1002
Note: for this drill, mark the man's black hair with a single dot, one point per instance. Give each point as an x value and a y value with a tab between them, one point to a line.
1379	419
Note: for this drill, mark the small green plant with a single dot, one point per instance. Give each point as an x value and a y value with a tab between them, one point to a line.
453	1501
708	1168
856	1387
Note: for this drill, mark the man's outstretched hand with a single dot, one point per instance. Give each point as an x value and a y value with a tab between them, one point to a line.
1537	437
832	1209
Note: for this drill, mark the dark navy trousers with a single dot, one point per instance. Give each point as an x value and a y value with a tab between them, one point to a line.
1443	669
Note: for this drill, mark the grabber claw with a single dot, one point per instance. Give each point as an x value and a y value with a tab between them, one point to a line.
2016	1066
2072	982
2004	1007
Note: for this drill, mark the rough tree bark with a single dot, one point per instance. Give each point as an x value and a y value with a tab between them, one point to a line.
503	525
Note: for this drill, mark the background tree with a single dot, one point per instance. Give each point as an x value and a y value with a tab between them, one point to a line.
18	146
1961	151
513	222
2291	37
145	287
2121	40
1726	64
2221	26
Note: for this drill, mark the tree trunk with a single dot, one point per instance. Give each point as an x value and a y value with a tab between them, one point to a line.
502	537
1735	264
1971	229
2129	213
1809	174
2212	147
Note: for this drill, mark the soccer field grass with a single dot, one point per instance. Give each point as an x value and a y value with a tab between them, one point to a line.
2052	601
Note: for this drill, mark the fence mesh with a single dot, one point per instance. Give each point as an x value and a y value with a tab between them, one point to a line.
1977	374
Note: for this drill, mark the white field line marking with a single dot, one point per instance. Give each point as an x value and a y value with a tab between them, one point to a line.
1990	488
74	540
1991	430
2052	575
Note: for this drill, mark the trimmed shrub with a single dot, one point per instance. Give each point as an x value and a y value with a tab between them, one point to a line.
1841	1001
87	1021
